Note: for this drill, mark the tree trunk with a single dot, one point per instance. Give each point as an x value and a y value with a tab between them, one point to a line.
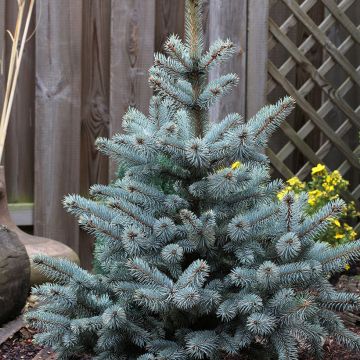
14	275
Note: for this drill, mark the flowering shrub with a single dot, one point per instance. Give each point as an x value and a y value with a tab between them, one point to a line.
323	187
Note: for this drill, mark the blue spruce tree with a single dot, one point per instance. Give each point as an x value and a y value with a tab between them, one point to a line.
210	265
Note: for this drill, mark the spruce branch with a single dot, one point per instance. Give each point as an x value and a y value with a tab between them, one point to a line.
274	115
193	28
179	52
218	52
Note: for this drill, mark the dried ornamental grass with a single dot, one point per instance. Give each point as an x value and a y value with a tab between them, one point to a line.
18	43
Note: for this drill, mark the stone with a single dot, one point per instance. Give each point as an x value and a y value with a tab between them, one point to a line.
14	275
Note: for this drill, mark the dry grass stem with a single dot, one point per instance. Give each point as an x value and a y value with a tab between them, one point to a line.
18	39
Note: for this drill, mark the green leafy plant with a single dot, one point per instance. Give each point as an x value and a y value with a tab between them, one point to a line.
216	267
323	187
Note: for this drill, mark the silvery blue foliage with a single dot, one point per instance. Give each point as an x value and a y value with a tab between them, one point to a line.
217	265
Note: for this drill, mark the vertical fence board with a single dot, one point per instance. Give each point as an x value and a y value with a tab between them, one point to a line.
169	20
95	104
57	131
2	48
257	52
19	147
229	21
205	14
132	48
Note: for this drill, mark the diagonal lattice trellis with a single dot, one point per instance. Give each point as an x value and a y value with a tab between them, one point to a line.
333	96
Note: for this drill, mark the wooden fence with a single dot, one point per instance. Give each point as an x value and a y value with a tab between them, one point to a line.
87	62
319	66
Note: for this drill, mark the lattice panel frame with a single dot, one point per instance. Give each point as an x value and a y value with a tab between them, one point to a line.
333	96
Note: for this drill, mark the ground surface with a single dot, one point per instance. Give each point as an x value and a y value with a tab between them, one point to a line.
20	346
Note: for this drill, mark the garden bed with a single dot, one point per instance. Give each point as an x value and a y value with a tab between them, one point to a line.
21	347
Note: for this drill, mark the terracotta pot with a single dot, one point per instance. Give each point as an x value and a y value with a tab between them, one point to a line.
14	275
33	244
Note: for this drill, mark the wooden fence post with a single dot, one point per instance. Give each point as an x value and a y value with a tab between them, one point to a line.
19	147
229	20
94	167
57	130
2	48
132	48
169	19
257	54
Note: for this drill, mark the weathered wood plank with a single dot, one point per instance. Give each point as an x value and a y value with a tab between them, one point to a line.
94	168
300	144
2	48
257	55
345	166
309	42
356	192
310	69
315	95
343	19
205	14
326	147
95	90
325	108
22	213
290	22
278	164
323	40
327	65
132	48
169	20
10	328
311	112
19	146
57	133
229	21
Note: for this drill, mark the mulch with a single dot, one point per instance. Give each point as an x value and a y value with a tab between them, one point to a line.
335	351
20	346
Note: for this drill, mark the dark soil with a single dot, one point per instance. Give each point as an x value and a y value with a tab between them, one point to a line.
19	346
335	351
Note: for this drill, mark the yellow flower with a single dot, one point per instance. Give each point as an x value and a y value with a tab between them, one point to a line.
336	222
328	188
317	169
339	236
353	235
347	267
311	201
313	196
295	182
280	195
236	165
336	175
315	192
